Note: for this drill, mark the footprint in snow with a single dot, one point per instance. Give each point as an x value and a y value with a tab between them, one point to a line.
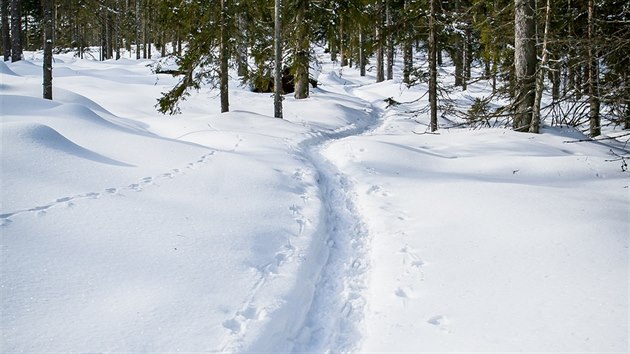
233	325
376	189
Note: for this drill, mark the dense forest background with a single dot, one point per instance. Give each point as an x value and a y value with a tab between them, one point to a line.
565	61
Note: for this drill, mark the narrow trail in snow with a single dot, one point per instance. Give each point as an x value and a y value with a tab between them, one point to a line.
332	323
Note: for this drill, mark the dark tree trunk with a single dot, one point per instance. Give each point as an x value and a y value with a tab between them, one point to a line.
362	60
433	65
593	76
6	29
48	49
407	50
224	56
242	46
342	42
138	27
390	40
277	85
380	50
524	63
302	50
116	29
16	30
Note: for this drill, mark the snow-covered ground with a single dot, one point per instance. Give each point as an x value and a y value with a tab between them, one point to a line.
342	228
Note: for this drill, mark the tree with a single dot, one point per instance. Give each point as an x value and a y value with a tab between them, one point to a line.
16	30
524	62
48	48
224	54
277	87
6	31
540	75
433	64
302	48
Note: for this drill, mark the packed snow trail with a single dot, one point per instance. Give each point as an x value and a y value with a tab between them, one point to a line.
328	300
334	318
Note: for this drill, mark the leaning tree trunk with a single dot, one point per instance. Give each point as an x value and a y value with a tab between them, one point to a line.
48	49
224	56
433	65
16	30
524	63
302	59
277	85
6	29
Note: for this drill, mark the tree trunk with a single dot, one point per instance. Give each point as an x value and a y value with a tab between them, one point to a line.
524	63
626	83
540	75
342	42
593	76
117	35
390	39
224	56
302	50
362	61
277	85
16	30
242	45
48	49
433	65
6	29
380	68
407	49
138	26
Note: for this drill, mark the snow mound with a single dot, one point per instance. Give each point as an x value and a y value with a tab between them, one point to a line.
17	105
4	69
31	138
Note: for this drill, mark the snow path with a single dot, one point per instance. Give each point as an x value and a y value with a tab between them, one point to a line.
336	310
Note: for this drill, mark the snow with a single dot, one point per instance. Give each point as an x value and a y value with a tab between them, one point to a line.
344	227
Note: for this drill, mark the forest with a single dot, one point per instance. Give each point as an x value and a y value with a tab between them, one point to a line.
576	51
314	176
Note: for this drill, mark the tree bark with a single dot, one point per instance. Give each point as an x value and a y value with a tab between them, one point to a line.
48	49
16	30
390	39
242	69
138	26
362	61
343	56
277	86
6	29
223	57
380	67
407	49
524	63
433	65
540	75
593	76
302	50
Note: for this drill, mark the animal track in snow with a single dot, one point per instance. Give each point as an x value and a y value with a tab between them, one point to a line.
440	322
69	201
377	190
